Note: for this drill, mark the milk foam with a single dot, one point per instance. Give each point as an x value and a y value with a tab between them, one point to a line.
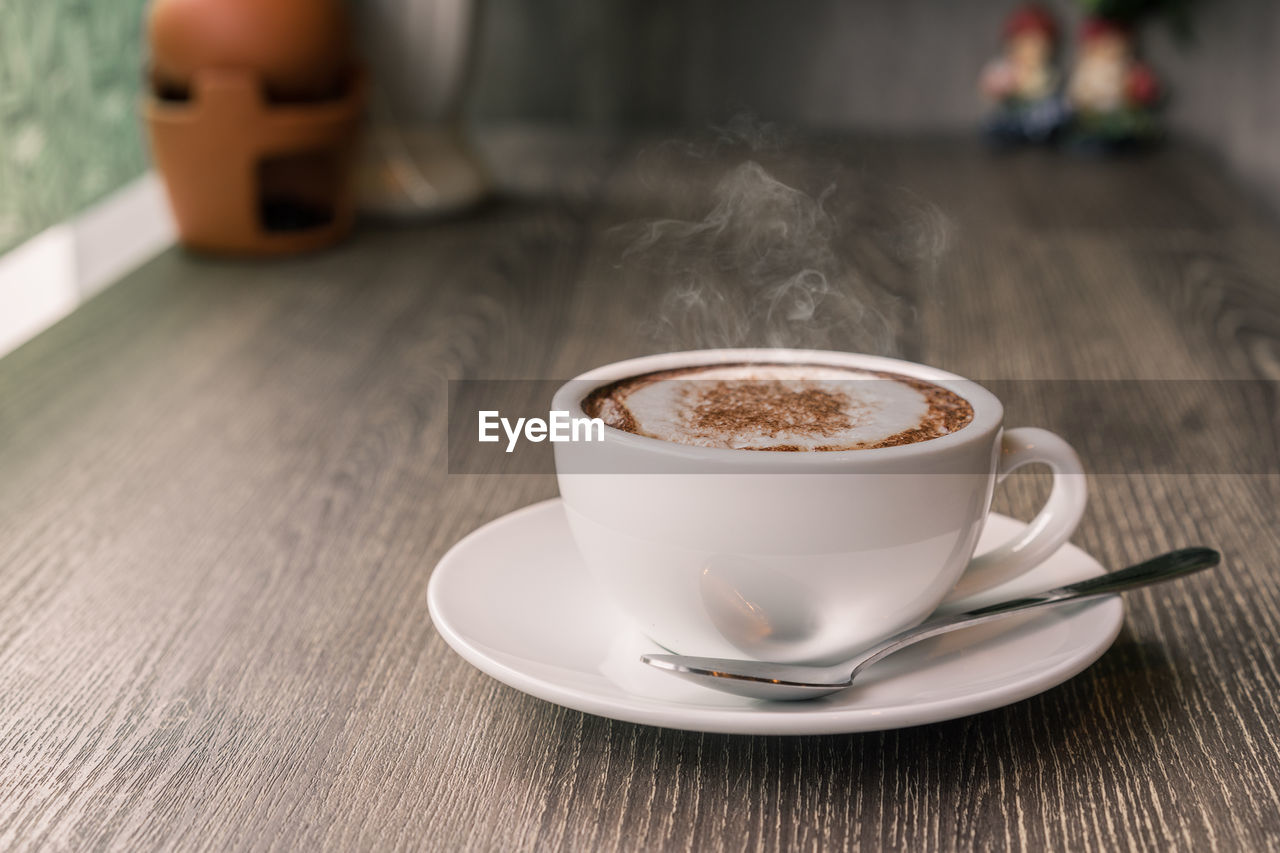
774	406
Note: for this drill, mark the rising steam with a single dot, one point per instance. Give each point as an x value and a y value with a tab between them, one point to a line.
763	262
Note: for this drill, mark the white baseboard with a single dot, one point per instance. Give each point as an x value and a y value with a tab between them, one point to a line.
45	278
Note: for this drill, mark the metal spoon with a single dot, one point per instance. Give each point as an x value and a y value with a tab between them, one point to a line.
762	680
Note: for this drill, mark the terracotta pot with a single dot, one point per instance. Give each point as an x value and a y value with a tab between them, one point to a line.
253	118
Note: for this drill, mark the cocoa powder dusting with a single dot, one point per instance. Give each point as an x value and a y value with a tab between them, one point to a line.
771	407
765	407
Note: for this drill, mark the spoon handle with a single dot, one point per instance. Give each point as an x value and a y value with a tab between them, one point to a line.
1168	566
1163	568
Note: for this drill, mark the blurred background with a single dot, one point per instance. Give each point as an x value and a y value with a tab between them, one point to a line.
71	74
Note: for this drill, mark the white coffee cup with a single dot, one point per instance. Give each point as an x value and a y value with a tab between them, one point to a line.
806	556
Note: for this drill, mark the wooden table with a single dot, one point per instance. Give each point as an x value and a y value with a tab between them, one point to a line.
223	487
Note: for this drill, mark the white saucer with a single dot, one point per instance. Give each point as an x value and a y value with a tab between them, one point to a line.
515	600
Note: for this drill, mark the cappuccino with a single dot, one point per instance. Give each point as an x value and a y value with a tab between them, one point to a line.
780	407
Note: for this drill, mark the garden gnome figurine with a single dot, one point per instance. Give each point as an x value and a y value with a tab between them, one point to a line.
1023	83
1113	95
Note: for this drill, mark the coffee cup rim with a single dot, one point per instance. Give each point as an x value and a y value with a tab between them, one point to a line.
988	412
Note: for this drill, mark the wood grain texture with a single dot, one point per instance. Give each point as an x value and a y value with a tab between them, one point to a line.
223	487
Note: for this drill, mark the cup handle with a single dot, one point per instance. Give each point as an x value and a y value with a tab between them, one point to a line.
1053	525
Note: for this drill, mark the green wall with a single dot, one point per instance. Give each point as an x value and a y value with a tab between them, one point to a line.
70	72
